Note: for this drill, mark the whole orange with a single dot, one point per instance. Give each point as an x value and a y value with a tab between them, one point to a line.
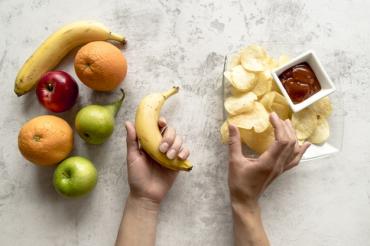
100	65
45	140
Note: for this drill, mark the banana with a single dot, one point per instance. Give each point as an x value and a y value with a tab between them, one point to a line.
146	124
55	47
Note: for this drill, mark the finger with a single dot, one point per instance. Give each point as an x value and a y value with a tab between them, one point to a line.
279	128
131	139
292	135
162	123
235	146
281	138
273	151
289	129
174	148
292	147
287	154
168	139
184	153
297	159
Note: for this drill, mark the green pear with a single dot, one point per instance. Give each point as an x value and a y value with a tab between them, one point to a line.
95	123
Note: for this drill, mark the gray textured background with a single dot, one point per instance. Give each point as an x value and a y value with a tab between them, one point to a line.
324	202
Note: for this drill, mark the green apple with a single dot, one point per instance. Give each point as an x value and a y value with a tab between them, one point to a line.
95	123
75	176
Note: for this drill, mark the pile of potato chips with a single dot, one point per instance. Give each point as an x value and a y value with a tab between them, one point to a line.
254	95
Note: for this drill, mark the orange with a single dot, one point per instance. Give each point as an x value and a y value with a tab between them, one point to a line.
45	140
100	65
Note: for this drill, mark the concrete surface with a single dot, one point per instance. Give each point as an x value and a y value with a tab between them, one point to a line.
326	202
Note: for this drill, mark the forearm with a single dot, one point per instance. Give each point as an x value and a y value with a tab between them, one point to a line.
139	222
248	227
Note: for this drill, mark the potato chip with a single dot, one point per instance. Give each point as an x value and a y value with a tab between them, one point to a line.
254	58
258	142
224	132
280	99
264	75
301	142
283	59
304	122
227	75
322	132
235	92
262	87
267	100
272	63
240	104
275	87
323	107
254	49
257	118
283	111
233	62
273	97
241	79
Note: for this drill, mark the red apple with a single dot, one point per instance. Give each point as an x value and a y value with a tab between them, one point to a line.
57	91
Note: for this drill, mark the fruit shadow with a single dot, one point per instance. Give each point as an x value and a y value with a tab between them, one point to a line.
29	102
102	98
72	208
98	154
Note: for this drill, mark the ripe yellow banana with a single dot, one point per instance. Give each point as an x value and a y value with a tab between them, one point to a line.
146	124
55	47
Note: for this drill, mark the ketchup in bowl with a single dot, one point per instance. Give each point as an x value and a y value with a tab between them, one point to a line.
300	82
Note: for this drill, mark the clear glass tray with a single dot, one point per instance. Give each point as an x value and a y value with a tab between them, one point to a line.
336	120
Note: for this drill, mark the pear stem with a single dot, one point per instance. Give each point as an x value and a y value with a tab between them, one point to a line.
170	92
114	107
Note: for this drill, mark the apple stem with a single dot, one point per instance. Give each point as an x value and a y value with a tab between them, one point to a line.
50	87
115	107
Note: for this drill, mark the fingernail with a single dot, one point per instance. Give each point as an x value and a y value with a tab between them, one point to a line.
274	115
231	129
163	147
181	155
171	154
127	126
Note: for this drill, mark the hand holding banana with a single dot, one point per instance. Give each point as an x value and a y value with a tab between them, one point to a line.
150	137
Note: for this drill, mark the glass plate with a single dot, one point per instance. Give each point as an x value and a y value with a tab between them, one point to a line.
336	120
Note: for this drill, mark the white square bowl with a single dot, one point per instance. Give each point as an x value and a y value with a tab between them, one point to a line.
327	86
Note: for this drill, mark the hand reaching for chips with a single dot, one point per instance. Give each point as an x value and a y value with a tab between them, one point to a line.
248	177
254	95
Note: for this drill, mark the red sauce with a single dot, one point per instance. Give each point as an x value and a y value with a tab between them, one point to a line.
300	82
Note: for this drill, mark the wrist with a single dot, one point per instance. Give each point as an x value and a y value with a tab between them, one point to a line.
142	203
246	214
244	205
248	226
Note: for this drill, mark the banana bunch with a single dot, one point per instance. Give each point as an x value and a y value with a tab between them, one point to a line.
57	46
146	124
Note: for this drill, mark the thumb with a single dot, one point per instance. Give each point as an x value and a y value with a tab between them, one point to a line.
131	139
235	146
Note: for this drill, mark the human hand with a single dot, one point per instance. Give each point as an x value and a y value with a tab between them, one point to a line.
248	178
149	180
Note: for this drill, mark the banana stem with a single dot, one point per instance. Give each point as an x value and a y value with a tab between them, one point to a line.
170	92
117	37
